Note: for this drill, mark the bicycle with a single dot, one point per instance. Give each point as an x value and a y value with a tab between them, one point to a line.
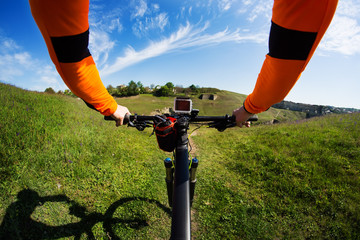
171	131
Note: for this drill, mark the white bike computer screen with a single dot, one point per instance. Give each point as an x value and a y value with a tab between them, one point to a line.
183	105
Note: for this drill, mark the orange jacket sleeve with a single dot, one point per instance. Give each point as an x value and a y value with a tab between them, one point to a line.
296	30
65	28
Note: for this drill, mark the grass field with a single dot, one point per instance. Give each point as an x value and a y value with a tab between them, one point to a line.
67	174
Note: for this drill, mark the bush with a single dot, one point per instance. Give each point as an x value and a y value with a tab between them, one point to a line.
50	90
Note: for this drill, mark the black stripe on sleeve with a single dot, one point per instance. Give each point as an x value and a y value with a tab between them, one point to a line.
73	48
290	44
90	106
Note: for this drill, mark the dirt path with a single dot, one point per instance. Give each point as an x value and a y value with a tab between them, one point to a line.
194	224
192	144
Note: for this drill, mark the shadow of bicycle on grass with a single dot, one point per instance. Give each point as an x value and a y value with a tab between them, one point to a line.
19	224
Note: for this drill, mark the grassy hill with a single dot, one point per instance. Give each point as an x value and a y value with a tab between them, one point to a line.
226	102
65	173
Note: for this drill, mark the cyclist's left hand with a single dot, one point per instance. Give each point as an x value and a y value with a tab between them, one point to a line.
241	117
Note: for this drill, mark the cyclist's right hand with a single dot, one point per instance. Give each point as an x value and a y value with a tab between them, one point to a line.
242	116
119	115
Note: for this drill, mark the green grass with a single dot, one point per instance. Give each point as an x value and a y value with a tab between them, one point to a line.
55	146
67	174
289	181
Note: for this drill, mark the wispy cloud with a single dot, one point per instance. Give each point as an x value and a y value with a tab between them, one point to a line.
102	19
103	24
256	9
349	8
343	35
7	45
12	59
147	18
185	37
140	8
100	44
143	26
17	64
225	5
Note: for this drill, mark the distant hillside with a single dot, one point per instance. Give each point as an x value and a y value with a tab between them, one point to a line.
312	110
224	103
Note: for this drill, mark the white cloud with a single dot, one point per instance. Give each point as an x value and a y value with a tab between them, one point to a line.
247	2
18	66
160	21
143	27
155	6
23	58
7	44
100	44
224	5
102	24
115	24
262	8
105	20
186	37
48	77
140	9
14	65
148	19
254	10
190	10
349	8
343	35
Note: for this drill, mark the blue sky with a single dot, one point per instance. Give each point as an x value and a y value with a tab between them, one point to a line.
210	43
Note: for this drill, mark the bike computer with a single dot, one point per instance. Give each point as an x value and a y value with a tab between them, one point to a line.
182	105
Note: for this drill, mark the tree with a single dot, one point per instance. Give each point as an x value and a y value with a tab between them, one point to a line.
170	85
147	90
132	89
194	89
49	90
121	91
69	93
163	91
111	89
141	88
178	89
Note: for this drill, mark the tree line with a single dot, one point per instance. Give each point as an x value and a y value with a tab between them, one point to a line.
312	110
133	89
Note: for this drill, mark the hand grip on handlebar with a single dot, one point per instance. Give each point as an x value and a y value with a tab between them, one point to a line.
125	121
253	118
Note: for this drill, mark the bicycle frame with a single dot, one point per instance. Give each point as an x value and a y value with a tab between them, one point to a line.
180	186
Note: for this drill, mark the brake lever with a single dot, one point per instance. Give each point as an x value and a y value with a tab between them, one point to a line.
224	124
140	125
220	126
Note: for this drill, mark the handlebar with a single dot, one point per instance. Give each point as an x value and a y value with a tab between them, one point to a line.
218	122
